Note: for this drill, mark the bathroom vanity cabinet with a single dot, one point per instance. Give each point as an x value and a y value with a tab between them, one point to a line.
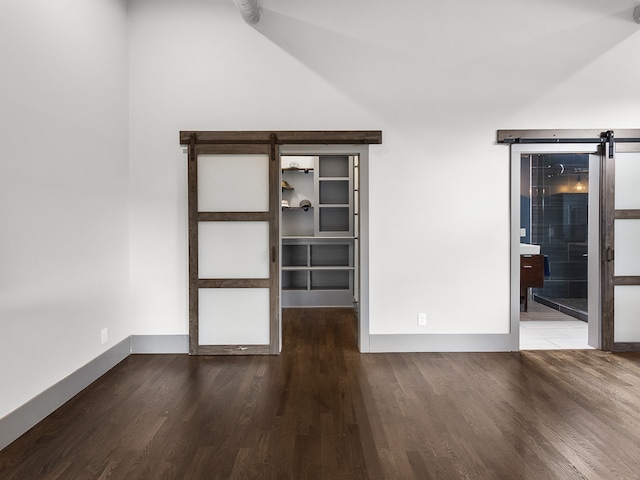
319	231
531	275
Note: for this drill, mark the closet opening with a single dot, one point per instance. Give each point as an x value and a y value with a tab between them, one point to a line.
321	228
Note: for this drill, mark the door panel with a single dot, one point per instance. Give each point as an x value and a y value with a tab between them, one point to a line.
626	305
627	176
233	250
234	316
233	183
627	247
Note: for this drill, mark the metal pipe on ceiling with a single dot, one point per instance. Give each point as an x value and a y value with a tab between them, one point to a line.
250	10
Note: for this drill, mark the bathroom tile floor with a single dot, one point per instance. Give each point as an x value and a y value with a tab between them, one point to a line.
542	328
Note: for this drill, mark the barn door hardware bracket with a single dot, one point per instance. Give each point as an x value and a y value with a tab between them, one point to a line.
609	138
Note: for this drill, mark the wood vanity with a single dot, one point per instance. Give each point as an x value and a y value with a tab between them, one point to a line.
531	275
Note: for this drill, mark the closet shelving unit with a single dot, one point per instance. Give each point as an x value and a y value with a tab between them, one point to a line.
319	243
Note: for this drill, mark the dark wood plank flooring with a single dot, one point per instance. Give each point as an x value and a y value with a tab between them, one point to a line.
321	410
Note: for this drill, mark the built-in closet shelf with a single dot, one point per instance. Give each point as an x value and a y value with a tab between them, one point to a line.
300	170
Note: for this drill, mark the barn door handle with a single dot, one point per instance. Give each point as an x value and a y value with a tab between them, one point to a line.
609	255
273	254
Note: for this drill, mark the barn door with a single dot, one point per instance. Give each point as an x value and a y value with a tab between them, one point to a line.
621	243
233	248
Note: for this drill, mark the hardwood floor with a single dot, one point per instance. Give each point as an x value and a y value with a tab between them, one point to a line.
321	410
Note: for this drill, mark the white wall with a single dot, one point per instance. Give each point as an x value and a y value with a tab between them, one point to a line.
63	189
437	78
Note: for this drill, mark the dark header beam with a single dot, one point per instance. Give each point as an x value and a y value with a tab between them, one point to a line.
355	137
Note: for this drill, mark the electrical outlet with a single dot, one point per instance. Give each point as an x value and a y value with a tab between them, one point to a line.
104	336
422	319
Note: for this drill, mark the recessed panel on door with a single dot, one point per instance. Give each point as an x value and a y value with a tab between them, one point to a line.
233	316
233	183
233	250
627	247
627	176
626	305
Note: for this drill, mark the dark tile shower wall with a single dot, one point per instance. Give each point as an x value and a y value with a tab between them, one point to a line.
559	222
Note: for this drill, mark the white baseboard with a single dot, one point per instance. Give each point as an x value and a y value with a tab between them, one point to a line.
443	343
142	344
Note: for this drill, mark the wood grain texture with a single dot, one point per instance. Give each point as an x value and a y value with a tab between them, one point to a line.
234	283
321	410
192	206
627	214
288	137
274	246
607	271
233	216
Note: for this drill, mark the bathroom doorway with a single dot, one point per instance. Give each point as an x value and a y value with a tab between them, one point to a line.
554	221
613	265
555	218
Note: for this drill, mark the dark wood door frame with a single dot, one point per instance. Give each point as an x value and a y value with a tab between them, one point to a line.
243	142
